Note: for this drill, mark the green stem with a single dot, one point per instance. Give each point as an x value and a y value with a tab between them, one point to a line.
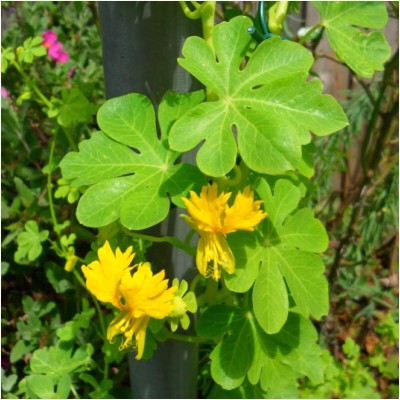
95	301
225	181
185	338
309	33
165	239
32	84
189	237
79	278
193	284
190	14
67	132
74	392
100	316
50	185
205	11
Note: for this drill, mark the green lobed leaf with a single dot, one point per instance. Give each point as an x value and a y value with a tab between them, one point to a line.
363	52
283	253
232	357
282	357
291	242
215	321
129	170
267	104
270	300
244	391
247	267
275	361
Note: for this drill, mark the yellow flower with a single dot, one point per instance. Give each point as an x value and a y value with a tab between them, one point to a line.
103	276
213	219
140	296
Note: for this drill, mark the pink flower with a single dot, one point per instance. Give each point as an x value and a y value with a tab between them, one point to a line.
57	53
55	48
4	92
49	38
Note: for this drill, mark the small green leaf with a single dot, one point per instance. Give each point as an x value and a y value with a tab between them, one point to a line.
58	277
267	100
19	350
7	55
32	48
42	386
4	267
351	348
36	41
101	389
111	351
130	171
75	108
8	382
24	192
71	328
63	387
363	52
61	360
29	242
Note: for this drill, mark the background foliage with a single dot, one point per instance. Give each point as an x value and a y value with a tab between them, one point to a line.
53	330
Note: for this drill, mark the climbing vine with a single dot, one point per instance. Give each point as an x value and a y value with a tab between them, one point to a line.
257	248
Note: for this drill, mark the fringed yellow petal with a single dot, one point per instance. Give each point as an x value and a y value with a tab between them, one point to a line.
244	214
128	326
147	294
213	252
144	295
139	296
140	336
207	211
103	276
212	218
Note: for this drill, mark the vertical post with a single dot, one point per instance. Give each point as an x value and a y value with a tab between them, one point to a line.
141	41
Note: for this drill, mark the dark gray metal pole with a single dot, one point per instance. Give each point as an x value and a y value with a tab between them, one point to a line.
141	42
